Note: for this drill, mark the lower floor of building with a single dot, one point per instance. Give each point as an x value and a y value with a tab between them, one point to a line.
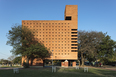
51	62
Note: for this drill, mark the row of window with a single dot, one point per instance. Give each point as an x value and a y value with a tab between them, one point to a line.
51	32
46	30
56	42
52	29
60	54
53	36
48	26
60	47
47	23
54	39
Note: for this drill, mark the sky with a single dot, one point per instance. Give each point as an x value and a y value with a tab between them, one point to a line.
93	15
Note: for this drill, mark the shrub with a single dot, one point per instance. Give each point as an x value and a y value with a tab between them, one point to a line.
25	65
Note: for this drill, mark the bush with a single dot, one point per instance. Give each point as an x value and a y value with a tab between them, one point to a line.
25	65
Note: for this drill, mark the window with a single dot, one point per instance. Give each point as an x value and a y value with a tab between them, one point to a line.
68	18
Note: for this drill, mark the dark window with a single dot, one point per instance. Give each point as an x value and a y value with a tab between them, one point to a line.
68	18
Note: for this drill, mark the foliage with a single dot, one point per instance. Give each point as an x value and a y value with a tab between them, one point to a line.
106	49
4	61
25	44
26	65
87	43
11	58
18	59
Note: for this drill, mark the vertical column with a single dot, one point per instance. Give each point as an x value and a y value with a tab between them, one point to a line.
74	64
66	63
62	64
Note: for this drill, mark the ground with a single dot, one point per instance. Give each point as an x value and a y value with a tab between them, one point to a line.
61	72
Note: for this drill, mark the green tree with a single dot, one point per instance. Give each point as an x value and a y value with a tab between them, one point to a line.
87	43
106	49
11	59
24	44
18	59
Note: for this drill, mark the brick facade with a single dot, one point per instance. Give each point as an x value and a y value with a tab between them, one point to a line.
59	36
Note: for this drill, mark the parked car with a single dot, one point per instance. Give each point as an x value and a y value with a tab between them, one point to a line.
87	63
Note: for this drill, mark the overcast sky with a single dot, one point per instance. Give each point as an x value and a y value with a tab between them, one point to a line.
96	15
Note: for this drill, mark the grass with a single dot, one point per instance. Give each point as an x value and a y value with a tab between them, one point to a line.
61	72
9	66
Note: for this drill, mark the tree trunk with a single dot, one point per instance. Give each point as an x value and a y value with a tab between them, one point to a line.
82	60
32	61
27	61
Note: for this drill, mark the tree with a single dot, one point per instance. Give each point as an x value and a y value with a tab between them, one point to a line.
106	49
24	44
18	59
11	58
87	43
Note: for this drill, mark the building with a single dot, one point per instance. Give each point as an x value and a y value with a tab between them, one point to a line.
58	35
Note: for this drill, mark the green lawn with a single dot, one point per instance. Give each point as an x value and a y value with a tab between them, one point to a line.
61	72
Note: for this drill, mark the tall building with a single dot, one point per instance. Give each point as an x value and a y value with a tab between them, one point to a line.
60	36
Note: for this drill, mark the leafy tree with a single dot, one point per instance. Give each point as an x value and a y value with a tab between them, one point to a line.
87	43
11	58
106	49
4	61
24	44
18	59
